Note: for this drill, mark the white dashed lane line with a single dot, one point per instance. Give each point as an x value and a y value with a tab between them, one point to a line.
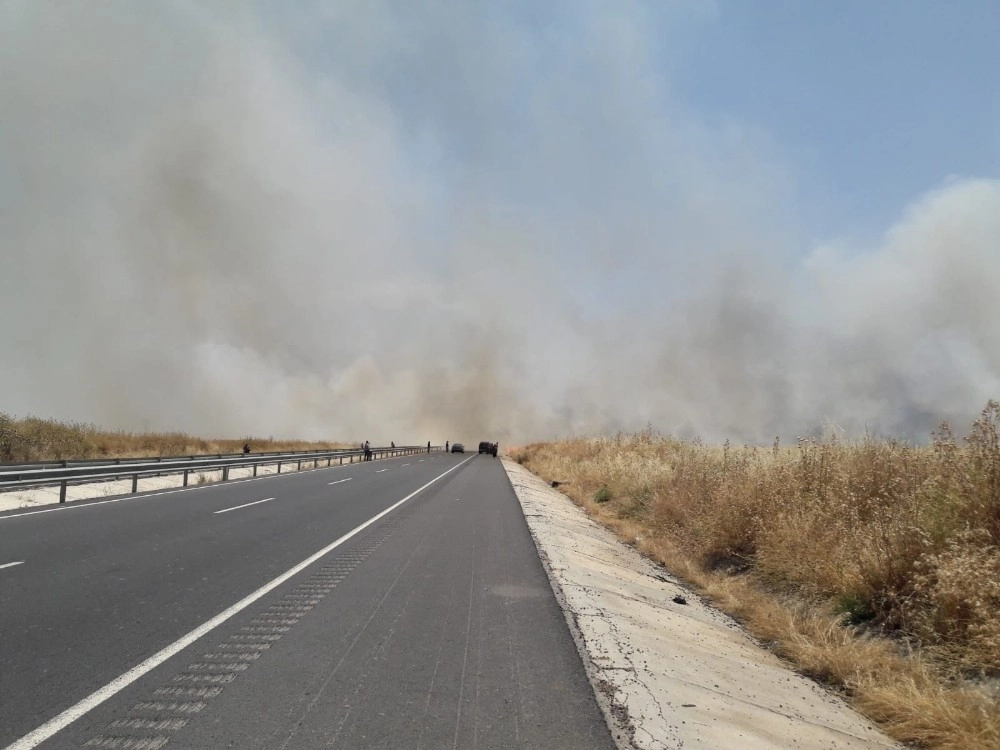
11	565
381	470
245	505
341	480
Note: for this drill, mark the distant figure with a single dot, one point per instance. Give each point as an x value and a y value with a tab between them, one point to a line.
246	447
445	446
368	451
428	446
494	448
392	445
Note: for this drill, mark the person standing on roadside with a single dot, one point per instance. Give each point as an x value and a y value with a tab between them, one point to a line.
428	446
445	446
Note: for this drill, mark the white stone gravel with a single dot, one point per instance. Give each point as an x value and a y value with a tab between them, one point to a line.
673	675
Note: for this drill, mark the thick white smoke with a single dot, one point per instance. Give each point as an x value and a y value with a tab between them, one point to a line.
355	220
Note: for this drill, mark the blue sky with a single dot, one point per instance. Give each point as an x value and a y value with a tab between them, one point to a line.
872	102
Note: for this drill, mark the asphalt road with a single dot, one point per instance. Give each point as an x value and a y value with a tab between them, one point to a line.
238	615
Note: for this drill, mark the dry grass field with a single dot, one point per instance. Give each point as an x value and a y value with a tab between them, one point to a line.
874	565
34	439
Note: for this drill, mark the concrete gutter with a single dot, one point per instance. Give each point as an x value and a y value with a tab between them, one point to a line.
670	675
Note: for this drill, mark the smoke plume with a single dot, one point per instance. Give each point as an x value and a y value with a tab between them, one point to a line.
378	221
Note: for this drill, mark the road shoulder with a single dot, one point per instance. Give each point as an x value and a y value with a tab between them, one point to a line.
671	674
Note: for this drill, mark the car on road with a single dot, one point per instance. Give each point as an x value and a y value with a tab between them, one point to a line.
457	448
485	447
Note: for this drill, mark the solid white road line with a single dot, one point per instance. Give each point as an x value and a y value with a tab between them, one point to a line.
71	714
341	480
245	505
11	565
405	465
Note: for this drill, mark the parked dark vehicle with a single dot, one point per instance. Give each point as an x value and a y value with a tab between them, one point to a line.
485	447
457	448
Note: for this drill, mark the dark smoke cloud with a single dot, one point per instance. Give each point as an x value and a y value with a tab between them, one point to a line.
356	220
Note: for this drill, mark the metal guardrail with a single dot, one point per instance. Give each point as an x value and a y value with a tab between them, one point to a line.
147	459
64	473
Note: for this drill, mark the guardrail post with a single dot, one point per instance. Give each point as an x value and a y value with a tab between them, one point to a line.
62	491
185	477
300	465
135	483
225	473
279	467
255	469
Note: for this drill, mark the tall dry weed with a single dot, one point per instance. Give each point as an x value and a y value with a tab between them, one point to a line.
901	540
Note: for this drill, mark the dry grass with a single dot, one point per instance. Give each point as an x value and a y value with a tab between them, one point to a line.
34	439
873	566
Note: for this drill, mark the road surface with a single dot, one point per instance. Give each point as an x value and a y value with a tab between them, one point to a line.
397	603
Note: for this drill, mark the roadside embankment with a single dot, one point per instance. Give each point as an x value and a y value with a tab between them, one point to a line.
669	670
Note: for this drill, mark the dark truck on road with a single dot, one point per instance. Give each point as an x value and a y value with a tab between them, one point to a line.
488	448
